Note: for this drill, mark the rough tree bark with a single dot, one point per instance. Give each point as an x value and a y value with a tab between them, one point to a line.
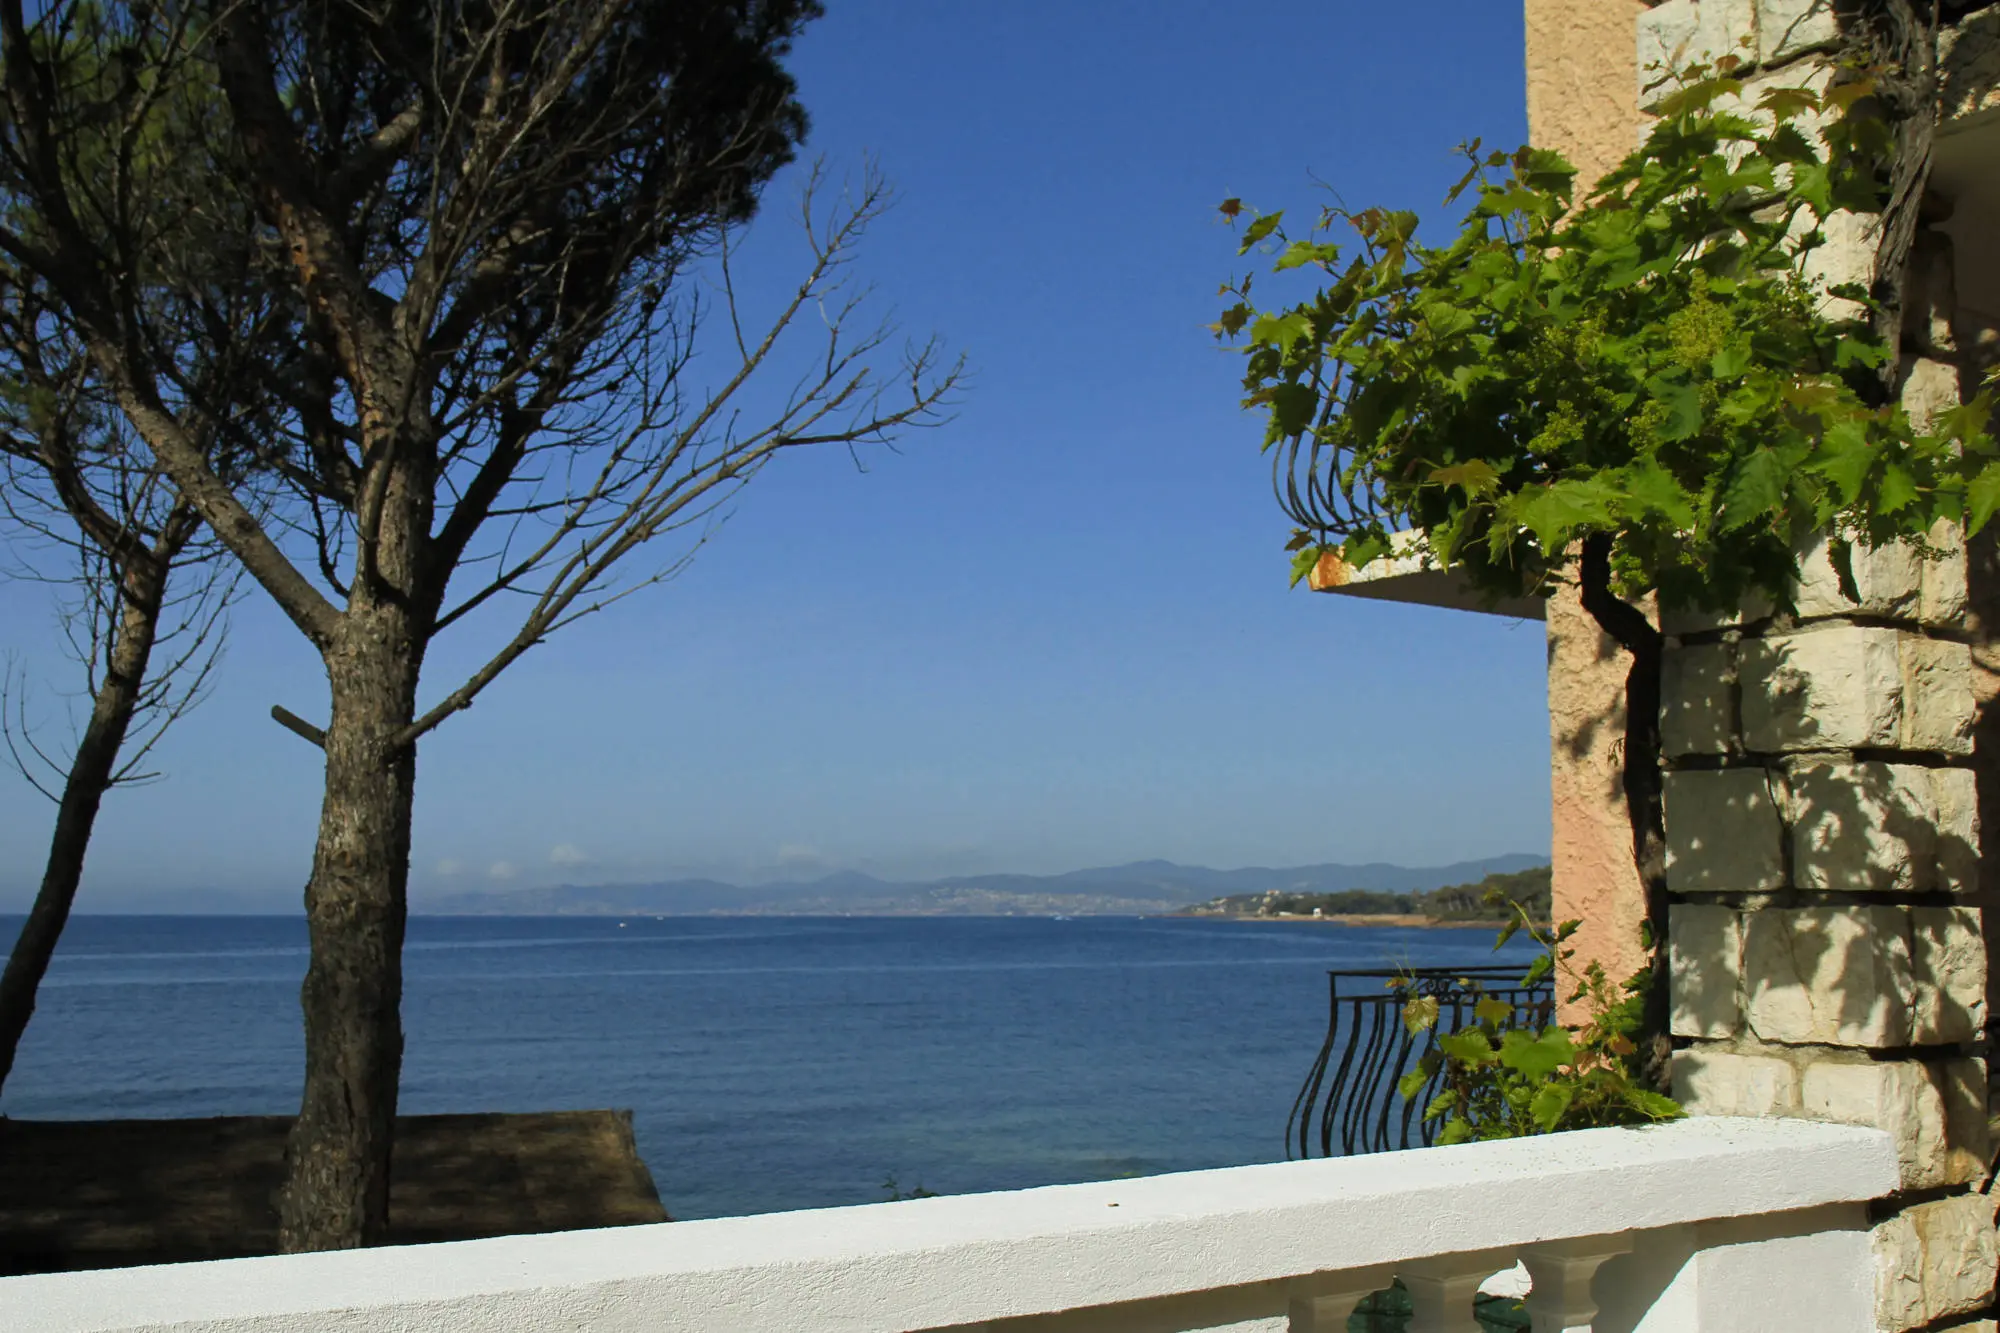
1898	41
339	1153
476	226
142	587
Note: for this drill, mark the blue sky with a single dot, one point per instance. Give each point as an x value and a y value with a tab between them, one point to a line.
1056	632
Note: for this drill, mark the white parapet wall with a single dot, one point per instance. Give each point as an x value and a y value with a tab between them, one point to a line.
1705	1226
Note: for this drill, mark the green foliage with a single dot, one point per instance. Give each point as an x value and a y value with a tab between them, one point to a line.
1494	898
1506	1077
1490	899
1648	364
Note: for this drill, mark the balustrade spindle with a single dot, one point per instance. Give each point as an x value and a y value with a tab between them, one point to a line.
1328	1309
1441	1290
1560	1300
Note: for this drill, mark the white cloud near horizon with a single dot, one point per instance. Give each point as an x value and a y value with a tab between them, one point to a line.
567	854
500	870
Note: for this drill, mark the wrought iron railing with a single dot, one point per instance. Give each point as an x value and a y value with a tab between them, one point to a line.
1349	1103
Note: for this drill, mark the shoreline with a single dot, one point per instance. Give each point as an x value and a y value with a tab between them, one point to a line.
1402	920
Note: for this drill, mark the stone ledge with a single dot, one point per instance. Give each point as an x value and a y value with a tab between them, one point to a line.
971	1259
1412	575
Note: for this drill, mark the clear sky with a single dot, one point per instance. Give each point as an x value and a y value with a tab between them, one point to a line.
1055	633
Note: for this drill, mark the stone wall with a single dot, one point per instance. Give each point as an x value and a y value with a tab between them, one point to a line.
1823	860
1825	773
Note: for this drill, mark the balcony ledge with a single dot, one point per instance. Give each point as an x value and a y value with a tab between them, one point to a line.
1411	574
1241	1241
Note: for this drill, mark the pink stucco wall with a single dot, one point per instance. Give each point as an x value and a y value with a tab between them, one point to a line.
1582	77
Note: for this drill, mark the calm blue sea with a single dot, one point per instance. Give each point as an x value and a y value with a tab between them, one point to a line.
770	1063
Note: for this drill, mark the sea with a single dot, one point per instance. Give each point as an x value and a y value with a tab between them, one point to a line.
770	1063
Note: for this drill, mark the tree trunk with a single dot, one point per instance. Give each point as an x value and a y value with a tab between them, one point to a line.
336	1192
1636	634
91	770
1899	37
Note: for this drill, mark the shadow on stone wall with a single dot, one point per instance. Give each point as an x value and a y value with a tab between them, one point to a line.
1824	857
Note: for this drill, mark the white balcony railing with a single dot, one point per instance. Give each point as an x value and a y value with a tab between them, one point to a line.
1716	1225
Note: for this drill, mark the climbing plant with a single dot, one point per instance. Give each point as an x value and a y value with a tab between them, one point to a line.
1649	365
1641	390
1511	1073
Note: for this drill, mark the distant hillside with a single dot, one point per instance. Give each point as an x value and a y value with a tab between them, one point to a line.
1139	888
1452	902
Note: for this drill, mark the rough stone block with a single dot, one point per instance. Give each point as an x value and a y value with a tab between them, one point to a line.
1935	1111
1844	256
1711	1082
1836	976
1938	705
1698	699
1948	961
1723	832
1787	29
1934	1261
1681	33
1705	949
1905	1099
1831	686
1955	797
1930	389
1968	1147
1944	578
1969	58
1861	827
1678	621
1889	578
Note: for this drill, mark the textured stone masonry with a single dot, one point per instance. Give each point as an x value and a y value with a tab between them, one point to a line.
1832	686
1833	976
1723	832
1823	838
1680	33
1935	1260
1826	949
1935	1109
1875	827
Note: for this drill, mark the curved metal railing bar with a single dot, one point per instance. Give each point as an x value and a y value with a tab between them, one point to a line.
1349	1095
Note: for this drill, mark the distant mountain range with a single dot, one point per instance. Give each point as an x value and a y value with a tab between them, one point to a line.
1141	887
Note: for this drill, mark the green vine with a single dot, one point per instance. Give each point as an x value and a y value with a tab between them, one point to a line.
1507	1076
1650	365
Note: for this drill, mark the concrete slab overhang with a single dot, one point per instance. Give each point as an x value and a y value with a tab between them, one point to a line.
1410	573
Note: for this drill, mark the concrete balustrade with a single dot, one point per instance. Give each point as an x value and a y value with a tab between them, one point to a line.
1704	1226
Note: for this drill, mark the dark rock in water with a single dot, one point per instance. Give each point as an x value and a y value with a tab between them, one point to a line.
80	1194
